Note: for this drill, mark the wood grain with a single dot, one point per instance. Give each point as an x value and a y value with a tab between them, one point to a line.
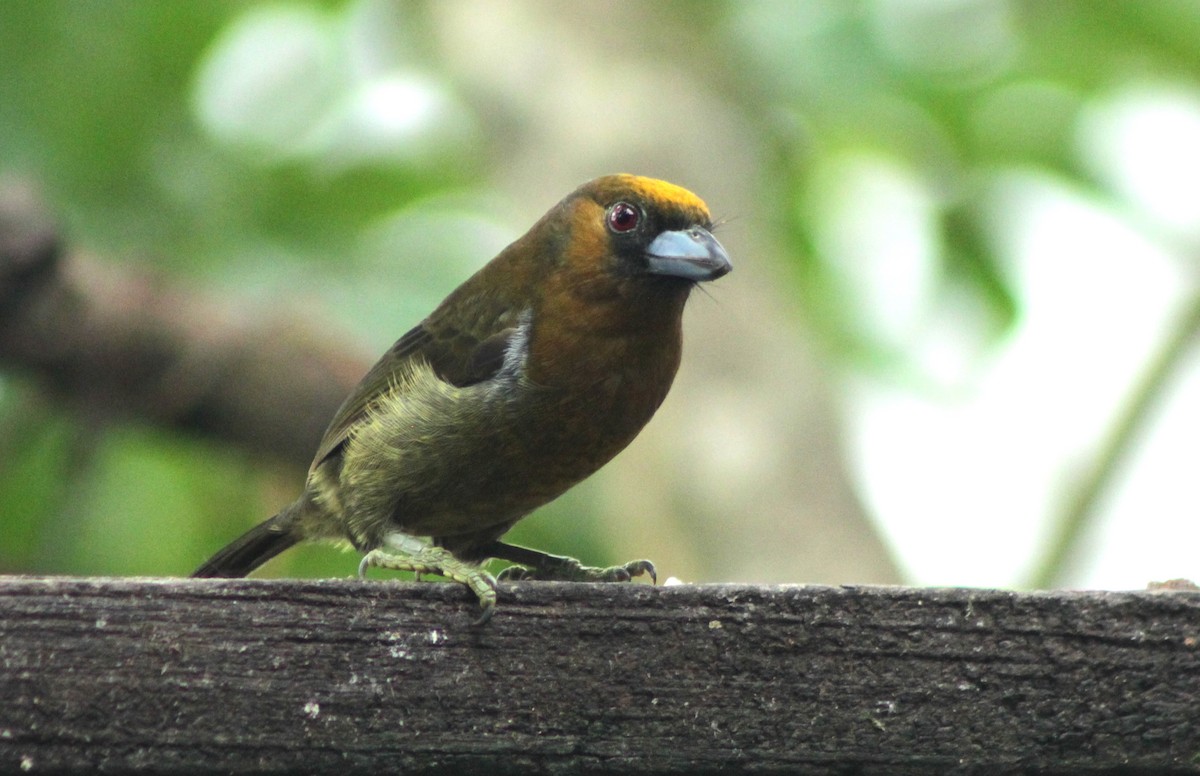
193	676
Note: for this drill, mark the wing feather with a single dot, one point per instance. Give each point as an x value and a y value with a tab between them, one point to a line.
458	356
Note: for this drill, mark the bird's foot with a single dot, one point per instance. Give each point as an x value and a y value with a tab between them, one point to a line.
563	569
420	558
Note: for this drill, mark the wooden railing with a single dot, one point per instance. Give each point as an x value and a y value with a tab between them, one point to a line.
344	676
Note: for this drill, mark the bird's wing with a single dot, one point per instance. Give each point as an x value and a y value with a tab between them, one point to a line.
460	355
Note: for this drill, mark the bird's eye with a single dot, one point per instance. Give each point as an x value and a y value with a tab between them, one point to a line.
622	217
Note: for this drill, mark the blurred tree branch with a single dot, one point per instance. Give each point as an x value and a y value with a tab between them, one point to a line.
1080	511
120	342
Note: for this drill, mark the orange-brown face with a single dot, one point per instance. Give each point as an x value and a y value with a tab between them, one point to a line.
626	251
614	220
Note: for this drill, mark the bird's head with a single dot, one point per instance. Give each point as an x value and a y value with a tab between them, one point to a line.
609	270
636	230
601	279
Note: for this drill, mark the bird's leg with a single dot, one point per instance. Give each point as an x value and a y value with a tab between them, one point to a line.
402	552
534	564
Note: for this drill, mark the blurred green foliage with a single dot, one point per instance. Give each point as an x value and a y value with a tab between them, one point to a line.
109	107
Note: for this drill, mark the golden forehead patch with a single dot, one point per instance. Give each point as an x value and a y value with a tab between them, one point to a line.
660	191
656	193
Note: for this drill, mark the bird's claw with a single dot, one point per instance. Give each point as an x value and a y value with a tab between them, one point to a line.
570	570
438	560
636	568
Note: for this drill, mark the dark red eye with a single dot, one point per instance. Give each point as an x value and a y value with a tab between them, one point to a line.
623	217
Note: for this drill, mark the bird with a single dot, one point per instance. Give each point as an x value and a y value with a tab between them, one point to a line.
525	380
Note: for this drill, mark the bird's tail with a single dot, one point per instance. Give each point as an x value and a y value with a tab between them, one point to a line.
255	547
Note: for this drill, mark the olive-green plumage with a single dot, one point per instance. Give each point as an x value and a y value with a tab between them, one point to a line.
530	376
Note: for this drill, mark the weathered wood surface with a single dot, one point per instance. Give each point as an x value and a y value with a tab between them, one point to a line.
342	676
